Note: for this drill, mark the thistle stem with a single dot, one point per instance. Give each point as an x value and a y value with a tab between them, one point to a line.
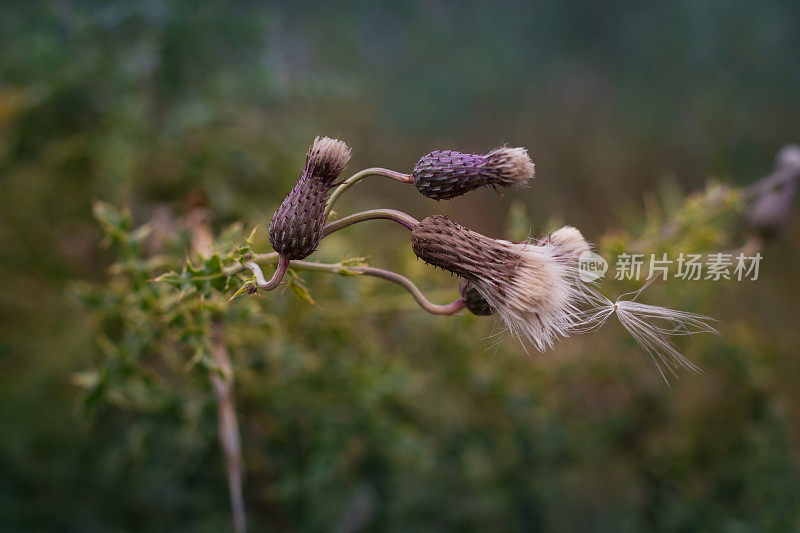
388	275
280	271
355	178
373	214
435	309
228	425
230	440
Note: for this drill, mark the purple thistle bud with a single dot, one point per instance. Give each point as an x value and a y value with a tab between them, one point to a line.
445	174
533	288
296	226
473	301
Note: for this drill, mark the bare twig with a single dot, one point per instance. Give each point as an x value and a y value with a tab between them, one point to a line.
388	275
787	168
785	174
228	425
199	223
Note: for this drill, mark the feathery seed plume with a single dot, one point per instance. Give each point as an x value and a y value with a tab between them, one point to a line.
651	326
296	226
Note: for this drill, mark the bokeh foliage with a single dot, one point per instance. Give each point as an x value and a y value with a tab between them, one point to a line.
362	410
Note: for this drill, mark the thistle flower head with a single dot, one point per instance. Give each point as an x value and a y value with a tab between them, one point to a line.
445	174
296	226
533	288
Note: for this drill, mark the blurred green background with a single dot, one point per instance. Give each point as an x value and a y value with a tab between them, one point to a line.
365	413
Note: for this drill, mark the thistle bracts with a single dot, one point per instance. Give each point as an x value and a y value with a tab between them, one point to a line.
296	226
473	301
532	287
445	174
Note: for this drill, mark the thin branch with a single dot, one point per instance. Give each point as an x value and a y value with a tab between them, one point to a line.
784	172
388	275
355	178
407	284
228	425
199	222
401	218
787	169
673	228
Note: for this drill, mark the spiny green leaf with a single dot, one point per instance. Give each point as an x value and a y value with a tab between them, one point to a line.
298	287
240	291
114	221
174	278
251	237
354	261
214	264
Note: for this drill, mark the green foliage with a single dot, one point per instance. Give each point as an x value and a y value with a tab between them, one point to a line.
448	437
361	410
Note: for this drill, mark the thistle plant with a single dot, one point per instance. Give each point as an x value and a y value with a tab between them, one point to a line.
532	287
186	313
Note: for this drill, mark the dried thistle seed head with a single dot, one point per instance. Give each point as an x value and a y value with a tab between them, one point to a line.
771	211
513	166
296	226
326	159
473	301
788	156
445	174
569	241
534	288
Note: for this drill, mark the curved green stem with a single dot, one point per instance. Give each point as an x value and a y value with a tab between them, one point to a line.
388	275
435	309
280	271
355	178
372	214
267	259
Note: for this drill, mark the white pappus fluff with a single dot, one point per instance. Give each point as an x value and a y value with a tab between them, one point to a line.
547	300
650	325
541	301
